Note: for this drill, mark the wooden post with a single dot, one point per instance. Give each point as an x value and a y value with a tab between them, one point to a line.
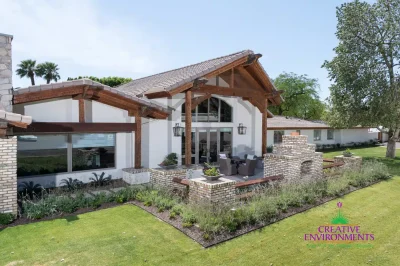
232	85
264	127
138	141
81	110
188	127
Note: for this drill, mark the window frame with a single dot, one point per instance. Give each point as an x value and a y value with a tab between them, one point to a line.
69	155
195	115
282	133
320	133
333	134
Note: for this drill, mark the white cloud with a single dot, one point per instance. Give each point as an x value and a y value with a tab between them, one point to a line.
76	33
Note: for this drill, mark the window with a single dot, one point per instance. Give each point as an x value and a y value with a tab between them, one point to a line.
317	134
278	136
330	134
93	151
210	110
51	154
42	154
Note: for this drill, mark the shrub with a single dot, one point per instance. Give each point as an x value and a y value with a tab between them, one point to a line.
71	184
100	181
30	189
6	218
337	186
66	204
42	208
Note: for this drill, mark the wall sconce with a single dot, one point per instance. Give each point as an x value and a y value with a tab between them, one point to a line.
242	129
177	130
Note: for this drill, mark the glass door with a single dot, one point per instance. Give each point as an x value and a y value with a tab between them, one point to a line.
203	154
193	147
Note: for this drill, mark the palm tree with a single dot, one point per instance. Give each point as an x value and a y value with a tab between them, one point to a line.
27	68
48	71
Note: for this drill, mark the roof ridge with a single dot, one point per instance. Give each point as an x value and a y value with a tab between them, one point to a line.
202	62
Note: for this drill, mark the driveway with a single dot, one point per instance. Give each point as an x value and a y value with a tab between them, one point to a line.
397	145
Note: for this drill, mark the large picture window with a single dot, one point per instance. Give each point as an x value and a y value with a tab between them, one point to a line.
64	153
93	151
210	110
42	154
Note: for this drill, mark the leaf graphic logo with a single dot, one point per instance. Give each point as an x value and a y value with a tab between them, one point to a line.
339	218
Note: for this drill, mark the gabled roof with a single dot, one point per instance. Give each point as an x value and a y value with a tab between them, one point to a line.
172	79
60	86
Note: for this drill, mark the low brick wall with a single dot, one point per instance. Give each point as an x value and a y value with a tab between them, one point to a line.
8	175
221	191
163	178
353	162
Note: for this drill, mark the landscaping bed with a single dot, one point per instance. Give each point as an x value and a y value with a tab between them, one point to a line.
210	224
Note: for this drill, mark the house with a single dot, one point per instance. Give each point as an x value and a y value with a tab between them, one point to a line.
318	132
197	111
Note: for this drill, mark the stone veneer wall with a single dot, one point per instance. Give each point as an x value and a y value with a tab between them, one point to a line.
134	176
288	157
8	175
221	191
353	162
5	73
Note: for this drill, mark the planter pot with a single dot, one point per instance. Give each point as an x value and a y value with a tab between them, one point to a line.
168	166
212	178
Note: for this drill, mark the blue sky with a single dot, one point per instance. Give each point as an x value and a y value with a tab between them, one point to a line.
139	38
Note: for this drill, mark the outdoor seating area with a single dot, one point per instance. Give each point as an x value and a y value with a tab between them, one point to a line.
241	168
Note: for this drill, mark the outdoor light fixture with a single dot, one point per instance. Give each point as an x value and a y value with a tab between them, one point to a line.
242	129
177	130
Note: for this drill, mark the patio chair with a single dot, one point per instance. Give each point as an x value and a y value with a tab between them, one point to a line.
226	168
247	169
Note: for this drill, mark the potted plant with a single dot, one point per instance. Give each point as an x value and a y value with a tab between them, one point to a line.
211	173
170	161
347	153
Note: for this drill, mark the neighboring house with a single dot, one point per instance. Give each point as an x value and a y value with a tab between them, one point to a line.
317	131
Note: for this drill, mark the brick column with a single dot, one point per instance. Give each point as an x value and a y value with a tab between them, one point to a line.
221	191
8	175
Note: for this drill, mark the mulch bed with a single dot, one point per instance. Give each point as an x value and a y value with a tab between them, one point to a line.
193	232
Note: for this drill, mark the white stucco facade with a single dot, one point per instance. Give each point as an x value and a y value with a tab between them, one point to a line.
157	135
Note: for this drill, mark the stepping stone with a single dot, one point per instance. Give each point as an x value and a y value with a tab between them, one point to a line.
116	189
96	192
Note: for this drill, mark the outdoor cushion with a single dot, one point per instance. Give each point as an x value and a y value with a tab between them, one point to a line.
250	157
222	155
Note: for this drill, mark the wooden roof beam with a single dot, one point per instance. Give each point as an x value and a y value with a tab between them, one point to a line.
196	101
239	92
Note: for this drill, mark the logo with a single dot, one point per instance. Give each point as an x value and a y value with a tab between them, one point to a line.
340	232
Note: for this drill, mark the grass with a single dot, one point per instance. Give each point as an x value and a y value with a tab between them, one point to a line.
377	153
127	235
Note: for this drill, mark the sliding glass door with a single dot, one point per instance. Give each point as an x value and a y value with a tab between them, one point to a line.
207	143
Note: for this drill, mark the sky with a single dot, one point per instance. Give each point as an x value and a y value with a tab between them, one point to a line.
139	38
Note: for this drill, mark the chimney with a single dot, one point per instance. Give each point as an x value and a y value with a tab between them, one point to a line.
5	74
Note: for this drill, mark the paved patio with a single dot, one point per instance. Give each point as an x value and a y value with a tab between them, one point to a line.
258	173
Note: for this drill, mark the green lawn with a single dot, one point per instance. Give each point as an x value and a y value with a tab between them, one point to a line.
127	235
373	153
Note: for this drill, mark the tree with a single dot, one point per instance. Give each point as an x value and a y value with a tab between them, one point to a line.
301	97
365	69
48	71
27	68
109	81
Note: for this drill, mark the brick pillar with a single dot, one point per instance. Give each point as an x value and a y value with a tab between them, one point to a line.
353	162
8	175
221	191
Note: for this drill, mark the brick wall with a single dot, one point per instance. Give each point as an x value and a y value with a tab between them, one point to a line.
8	175
221	191
353	162
162	178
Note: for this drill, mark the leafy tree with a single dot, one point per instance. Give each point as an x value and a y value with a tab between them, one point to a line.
365	69
109	81
48	71
301	97
27	68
